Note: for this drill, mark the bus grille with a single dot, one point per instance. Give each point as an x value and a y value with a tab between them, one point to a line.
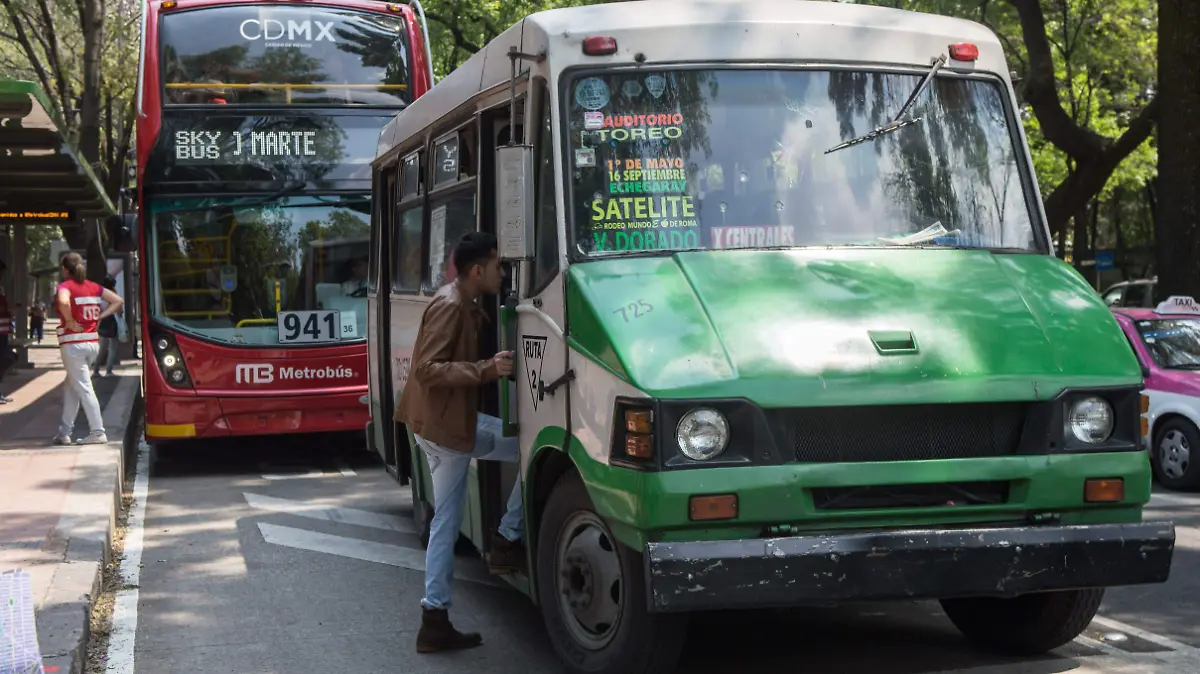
900	432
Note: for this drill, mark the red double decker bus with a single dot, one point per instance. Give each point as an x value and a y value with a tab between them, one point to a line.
257	122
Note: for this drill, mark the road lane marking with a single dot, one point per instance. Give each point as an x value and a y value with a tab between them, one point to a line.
123	635
345	469
317	511
1159	499
1166	642
312	473
369	551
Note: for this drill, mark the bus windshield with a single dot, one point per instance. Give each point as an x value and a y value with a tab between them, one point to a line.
227	267
1174	343
278	53
711	159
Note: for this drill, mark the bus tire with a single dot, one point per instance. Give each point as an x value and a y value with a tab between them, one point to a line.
576	554
1170	455
1030	624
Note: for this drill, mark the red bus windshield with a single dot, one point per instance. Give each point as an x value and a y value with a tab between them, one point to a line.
282	54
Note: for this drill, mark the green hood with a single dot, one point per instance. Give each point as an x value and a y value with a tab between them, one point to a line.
815	327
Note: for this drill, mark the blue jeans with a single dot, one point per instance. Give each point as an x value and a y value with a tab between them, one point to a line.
110	346
448	469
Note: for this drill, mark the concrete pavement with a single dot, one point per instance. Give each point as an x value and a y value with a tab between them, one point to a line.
58	505
292	557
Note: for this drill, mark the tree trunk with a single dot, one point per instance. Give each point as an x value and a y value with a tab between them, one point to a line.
1095	157
1081	251
91	19
1178	243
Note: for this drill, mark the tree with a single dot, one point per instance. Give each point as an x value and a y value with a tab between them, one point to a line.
1085	74
1178	240
79	52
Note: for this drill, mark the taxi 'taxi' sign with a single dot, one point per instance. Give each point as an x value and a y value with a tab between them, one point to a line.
1178	304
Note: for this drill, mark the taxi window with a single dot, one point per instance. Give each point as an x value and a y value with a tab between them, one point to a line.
1137	295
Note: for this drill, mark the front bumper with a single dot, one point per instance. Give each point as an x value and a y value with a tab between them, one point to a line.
913	564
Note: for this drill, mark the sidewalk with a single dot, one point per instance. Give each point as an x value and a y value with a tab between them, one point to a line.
58	505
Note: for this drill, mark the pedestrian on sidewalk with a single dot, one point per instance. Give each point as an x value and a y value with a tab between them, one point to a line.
78	302
109	333
8	357
37	321
439	405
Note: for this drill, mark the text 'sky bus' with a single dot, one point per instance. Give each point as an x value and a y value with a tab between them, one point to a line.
787	323
257	122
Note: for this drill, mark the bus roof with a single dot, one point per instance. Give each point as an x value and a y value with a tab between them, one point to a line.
709	31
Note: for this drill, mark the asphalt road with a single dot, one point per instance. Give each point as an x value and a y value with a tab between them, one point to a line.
301	558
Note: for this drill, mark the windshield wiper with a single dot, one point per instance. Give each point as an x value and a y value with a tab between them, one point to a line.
897	122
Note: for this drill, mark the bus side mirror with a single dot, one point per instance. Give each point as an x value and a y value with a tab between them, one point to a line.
1145	371
514	202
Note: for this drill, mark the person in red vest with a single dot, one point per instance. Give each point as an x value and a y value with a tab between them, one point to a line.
80	305
7	357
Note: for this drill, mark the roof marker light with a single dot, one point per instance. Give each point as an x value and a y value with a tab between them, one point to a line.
964	51
393	7
599	46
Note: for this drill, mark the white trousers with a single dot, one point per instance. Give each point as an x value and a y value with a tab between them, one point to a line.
77	358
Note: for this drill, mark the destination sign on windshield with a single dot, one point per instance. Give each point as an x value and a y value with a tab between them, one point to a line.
230	146
197	147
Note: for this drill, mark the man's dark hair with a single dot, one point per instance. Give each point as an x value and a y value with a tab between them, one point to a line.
109	282
472	249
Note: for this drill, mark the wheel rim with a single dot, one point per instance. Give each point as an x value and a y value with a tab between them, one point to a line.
1174	454
589	581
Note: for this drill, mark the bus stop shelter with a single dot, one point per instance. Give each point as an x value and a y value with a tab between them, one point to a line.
44	182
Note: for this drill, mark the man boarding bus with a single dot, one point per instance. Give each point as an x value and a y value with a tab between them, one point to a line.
786	323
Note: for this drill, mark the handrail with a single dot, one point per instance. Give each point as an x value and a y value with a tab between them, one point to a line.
425	30
530	310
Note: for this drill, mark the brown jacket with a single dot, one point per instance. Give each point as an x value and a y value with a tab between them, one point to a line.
441	397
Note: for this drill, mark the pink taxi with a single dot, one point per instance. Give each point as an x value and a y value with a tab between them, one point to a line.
1166	340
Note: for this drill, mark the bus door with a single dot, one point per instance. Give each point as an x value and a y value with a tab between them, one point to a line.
392	447
541	376
496	479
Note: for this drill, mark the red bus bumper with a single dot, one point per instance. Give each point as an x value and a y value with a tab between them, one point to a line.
177	417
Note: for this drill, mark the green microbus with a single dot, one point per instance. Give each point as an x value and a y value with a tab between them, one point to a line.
788	325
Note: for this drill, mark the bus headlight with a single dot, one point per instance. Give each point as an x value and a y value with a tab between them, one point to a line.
702	434
1090	420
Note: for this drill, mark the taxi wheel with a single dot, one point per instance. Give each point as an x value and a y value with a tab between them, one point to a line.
1027	625
592	592
1171	457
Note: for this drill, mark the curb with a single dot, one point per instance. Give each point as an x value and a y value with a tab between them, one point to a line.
86	529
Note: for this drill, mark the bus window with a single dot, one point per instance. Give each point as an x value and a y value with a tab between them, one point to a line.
204	62
450	218
408	226
545	265
407	251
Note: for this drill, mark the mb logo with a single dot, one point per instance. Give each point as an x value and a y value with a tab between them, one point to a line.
534	351
254	373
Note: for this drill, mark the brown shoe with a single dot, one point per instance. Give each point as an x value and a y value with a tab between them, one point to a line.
437	634
506	556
